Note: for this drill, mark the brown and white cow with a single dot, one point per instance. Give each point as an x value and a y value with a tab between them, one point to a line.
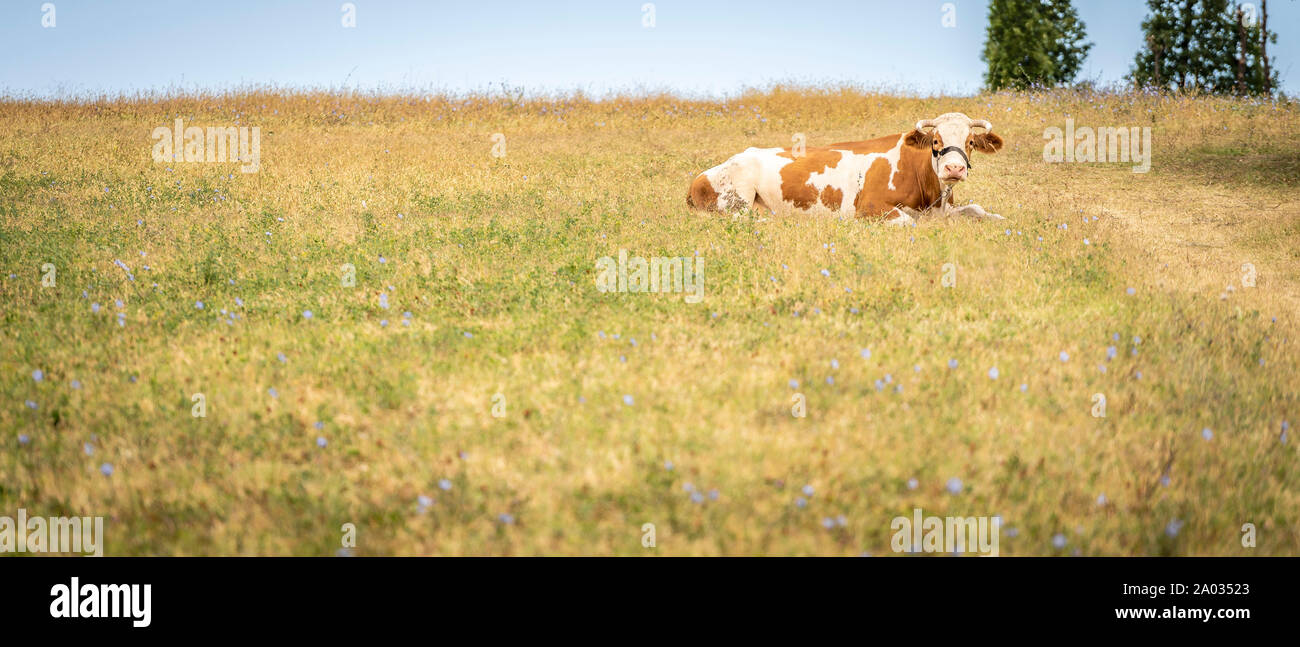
897	177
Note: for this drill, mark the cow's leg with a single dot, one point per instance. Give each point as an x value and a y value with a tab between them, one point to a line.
901	216
976	211
702	197
727	187
735	200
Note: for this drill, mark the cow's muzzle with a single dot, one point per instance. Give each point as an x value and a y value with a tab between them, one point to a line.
952	173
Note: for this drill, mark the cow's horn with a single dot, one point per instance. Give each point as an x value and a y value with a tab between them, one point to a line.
980	123
924	123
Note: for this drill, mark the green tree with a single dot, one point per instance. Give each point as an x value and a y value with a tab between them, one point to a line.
1068	48
1213	46
1259	76
1033	43
1156	65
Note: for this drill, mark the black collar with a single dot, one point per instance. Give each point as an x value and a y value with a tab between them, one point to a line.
941	153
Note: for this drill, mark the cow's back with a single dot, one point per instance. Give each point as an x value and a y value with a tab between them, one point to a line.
864	177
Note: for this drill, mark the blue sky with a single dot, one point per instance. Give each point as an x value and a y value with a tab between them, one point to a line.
695	46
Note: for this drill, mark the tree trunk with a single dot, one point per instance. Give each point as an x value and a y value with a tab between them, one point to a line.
1241	49
1158	50
1263	46
1185	43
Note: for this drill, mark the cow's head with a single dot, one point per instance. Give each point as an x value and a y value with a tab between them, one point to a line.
951	139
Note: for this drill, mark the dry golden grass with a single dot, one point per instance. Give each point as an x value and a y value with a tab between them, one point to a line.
505	249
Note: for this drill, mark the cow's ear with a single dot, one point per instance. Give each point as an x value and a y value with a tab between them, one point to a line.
987	143
917	139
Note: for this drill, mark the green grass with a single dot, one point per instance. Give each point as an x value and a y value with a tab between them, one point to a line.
504	249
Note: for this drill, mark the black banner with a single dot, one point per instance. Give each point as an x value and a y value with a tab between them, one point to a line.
310	596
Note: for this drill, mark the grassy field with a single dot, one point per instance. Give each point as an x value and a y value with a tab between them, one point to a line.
627	409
